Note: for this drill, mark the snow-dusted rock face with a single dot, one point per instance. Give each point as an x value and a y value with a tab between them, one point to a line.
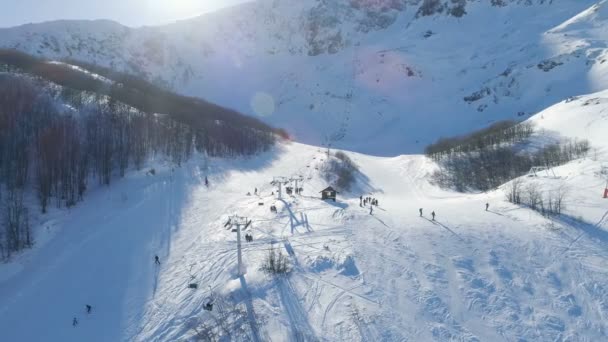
377	76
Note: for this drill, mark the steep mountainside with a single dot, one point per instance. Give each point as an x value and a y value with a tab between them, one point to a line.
376	76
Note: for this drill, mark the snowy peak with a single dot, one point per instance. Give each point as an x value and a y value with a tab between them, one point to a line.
376	76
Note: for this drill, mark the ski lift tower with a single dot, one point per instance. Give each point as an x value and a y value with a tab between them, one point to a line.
239	222
297	179
280	181
535	170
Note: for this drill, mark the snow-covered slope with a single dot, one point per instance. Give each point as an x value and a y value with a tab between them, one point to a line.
473	275
380	77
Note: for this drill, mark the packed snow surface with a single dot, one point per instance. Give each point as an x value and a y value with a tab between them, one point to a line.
471	275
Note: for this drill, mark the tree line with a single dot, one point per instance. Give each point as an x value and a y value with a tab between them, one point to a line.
502	132
486	159
547	202
56	140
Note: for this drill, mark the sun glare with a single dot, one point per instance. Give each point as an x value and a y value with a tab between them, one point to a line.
182	9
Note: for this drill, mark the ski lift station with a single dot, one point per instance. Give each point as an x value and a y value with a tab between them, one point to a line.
329	193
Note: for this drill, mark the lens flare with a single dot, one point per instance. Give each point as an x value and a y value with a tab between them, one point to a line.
263	104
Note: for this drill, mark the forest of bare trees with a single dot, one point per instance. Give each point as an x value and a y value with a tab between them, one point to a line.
55	140
501	133
485	159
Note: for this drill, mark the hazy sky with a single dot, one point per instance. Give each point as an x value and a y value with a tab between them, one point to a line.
127	12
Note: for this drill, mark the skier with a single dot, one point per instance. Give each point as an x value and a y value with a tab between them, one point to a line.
371	209
156	260
433	214
420	210
206	181
256	191
360	201
89	308
487	206
74	322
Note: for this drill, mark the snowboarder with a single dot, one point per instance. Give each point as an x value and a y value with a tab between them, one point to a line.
433	214
89	308
74	322
420	210
487	206
156	260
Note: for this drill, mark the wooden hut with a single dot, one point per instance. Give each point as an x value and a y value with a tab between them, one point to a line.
329	193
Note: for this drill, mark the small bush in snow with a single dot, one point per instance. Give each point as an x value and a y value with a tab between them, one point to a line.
276	262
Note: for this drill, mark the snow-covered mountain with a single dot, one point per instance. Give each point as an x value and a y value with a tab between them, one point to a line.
376	76
382	77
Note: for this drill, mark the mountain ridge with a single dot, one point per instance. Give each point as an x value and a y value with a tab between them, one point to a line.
359	74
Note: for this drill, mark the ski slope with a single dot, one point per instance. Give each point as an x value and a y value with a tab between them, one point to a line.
502	275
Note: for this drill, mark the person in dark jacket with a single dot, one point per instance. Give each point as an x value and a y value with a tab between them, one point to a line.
433	214
89	308
74	322
156	260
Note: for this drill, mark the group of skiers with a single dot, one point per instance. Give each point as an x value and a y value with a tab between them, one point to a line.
432	214
367	200
364	201
88	309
